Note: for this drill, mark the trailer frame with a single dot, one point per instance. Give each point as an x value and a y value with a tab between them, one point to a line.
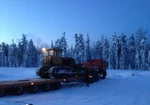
32	85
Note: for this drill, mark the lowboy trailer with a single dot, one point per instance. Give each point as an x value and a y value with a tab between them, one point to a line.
33	85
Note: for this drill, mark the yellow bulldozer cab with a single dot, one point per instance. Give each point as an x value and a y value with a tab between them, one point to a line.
52	57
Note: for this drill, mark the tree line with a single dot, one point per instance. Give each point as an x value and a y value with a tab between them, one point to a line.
120	51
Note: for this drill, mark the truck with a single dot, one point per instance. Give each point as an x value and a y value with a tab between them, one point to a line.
54	71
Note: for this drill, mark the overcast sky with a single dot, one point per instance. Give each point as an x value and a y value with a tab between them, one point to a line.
48	19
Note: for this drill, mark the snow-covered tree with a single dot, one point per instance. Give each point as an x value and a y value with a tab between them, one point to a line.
77	49
70	52
4	54
132	52
105	50
52	45
144	55
138	60
81	48
64	45
39	57
149	59
147	54
20	55
58	43
140	34
124	52
87	49
99	49
113	52
93	51
32	54
24	49
13	55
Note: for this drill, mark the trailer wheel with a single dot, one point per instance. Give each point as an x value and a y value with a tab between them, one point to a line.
46	87
103	75
18	90
2	92
92	79
96	76
56	85
33	89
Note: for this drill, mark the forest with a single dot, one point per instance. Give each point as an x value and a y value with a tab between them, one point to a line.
122	51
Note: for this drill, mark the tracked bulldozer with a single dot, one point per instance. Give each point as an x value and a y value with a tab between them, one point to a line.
56	66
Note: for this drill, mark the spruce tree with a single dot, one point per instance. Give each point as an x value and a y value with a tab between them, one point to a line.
4	54
132	52
58	43
52	45
140	34
98	49
20	55
64	46
93	51
24	49
87	49
77	49
149	59
13	55
32	54
81	48
144	55
106	49
124	52
113	60
71	52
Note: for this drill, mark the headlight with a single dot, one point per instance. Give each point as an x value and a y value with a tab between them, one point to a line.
44	49
29	104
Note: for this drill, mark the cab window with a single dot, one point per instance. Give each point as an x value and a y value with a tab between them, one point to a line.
46	53
51	52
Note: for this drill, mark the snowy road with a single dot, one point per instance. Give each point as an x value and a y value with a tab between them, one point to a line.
119	88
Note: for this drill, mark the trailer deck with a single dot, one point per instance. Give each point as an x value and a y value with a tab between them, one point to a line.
33	84
33	81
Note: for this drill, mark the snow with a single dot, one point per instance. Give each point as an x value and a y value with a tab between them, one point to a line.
121	87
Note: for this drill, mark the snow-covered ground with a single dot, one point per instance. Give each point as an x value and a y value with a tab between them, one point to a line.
119	88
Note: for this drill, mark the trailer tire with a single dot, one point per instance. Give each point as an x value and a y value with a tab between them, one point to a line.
2	92
46	87
96	76
91	80
33	89
103	75
56	85
18	90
